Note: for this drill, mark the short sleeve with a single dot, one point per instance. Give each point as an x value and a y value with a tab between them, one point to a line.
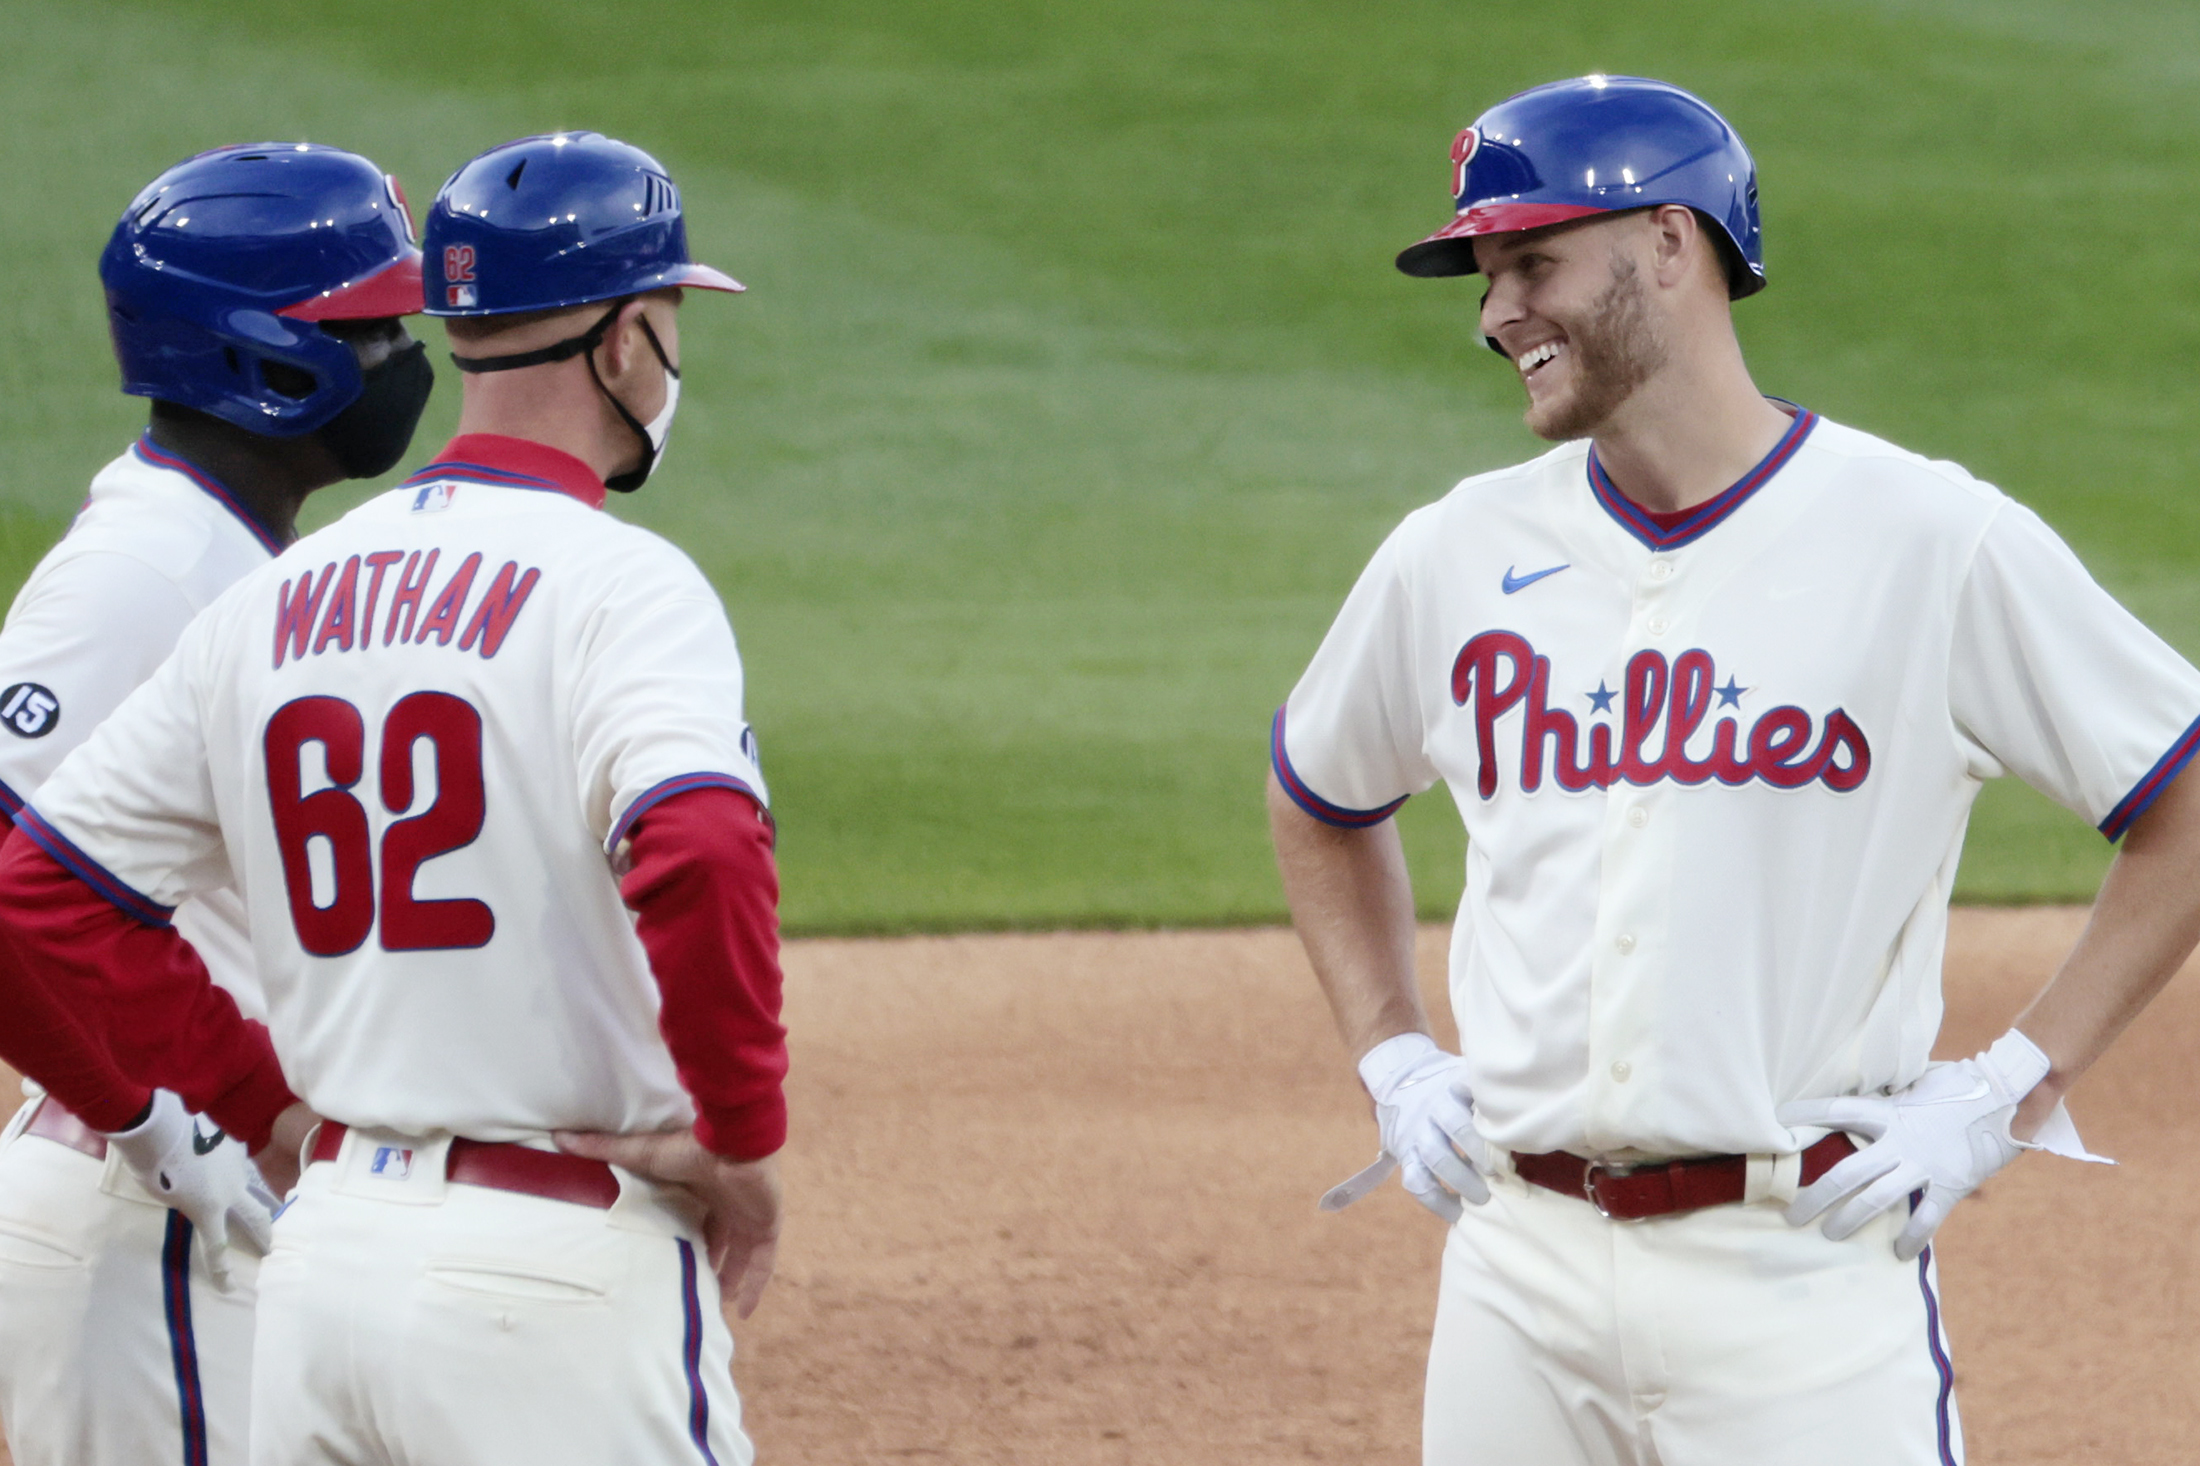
657	703
88	629
2061	685
131	811
1348	746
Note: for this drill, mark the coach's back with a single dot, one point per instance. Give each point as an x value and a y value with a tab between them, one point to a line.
419	738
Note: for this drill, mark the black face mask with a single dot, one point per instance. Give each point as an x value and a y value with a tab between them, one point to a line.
369	436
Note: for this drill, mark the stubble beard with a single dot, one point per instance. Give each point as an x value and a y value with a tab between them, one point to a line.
1616	350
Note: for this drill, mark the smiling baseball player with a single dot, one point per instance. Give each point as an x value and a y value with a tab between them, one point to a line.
253	294
1713	684
476	759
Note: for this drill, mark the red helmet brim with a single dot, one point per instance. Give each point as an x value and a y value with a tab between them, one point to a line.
393	290
1442	253
703	277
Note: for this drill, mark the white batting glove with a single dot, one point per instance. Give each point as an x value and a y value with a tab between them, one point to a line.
1426	1117
1939	1139
206	1175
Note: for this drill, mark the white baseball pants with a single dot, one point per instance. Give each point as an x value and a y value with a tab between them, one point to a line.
114	1348
1721	1337
408	1321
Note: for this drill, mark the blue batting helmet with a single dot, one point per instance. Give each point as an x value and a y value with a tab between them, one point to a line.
557	220
228	261
1597	145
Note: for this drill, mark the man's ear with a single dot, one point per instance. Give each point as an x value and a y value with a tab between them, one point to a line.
1676	235
623	343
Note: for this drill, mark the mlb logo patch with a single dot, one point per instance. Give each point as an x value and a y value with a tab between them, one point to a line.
392	1162
433	497
459	297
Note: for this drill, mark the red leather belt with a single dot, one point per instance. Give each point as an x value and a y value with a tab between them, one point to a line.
51	1122
549	1174
1631	1193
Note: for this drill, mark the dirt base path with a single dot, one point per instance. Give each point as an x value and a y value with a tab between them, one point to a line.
1052	1202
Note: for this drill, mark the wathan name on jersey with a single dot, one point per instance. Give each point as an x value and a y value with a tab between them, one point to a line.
1501	674
336	608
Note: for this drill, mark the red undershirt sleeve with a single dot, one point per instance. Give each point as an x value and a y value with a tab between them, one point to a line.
705	893
97	1005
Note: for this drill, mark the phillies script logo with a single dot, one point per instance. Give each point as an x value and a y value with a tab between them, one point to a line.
1499	671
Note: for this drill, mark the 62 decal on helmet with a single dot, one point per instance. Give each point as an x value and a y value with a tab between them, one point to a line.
458	271
28	710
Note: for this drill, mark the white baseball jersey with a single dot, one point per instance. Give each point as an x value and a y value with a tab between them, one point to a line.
1715	775
414	742
155	543
111	1350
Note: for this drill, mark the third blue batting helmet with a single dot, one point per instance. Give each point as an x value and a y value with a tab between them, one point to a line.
1597	145
223	267
558	220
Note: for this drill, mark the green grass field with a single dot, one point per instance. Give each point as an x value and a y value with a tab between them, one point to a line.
1074	384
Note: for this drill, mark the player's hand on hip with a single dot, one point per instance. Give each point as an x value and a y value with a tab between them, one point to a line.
1937	1140
1426	1116
740	1200
196	1169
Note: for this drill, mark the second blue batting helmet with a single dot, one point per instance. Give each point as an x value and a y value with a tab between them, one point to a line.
1597	145
226	263
557	220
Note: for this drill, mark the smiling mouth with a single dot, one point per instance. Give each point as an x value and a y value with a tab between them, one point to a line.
1536	358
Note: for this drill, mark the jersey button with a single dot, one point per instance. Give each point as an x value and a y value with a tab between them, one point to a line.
1659	626
1638	816
1661	569
1626	943
1621	1071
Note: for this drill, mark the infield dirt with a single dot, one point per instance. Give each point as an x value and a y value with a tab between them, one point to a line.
1051	1201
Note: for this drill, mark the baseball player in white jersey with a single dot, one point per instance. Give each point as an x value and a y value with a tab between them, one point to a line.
1713	684
475	759
115	1350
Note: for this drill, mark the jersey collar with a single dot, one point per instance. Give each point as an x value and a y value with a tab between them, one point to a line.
512	463
1670	532
151	453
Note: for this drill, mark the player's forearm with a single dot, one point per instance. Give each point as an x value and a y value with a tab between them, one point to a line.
2144	925
42	1035
705	895
160	1018
1352	903
42	1038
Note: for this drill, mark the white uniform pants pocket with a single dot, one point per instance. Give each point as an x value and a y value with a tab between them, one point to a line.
489	1329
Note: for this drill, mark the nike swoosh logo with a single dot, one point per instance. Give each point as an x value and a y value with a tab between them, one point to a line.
202	1144
1522	582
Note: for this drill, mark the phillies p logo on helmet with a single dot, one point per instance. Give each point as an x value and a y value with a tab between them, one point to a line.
1463	149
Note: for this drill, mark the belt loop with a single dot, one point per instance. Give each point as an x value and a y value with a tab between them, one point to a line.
1787	1177
1774	1177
